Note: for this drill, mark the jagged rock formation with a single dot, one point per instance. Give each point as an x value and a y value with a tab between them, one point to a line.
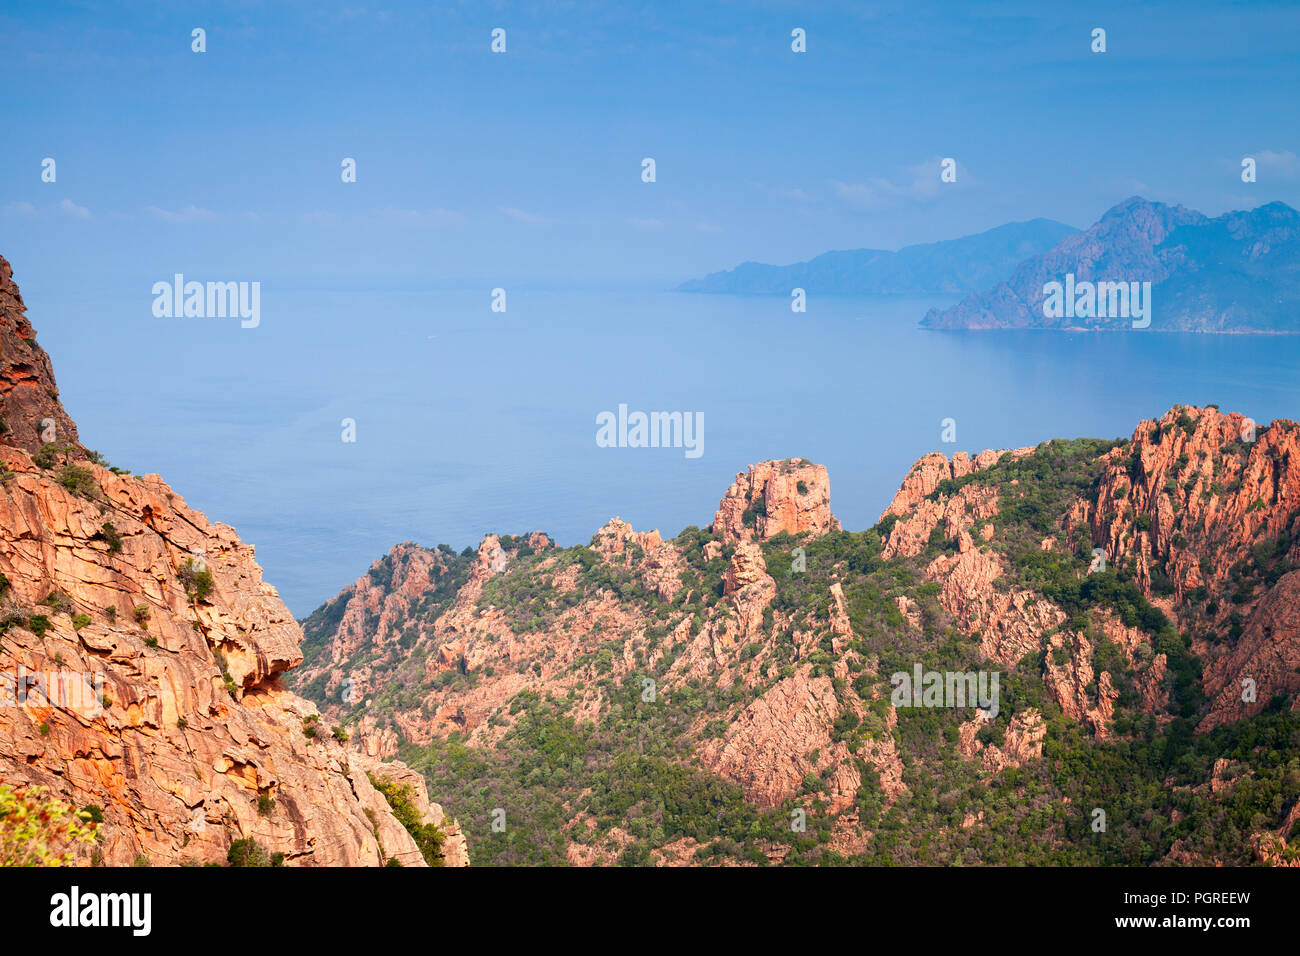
793	496
781	738
455	851
141	656
921	510
755	651
925	476
30	412
1023	742
1203	504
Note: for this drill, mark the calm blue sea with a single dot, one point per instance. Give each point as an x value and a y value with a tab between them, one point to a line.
470	421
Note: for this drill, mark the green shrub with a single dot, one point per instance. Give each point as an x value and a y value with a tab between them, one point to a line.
39	830
196	580
428	837
47	456
77	480
111	537
247	852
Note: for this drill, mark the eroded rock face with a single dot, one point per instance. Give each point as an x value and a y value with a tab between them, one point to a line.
1069	682
783	687
141	656
1189	498
448	622
29	398
659	564
454	850
924	478
1203	506
1011	622
920	505
1022	742
749	587
959	516
1266	658
791	495
785	735
373	613
180	756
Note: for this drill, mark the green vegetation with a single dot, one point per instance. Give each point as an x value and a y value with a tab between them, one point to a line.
40	830
248	852
196	580
78	480
47	456
548	757
562	778
428	836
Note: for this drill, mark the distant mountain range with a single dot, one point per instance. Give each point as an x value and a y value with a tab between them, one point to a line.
1239	272
953	265
1143	265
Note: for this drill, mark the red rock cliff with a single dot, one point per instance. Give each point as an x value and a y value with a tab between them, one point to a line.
792	495
140	661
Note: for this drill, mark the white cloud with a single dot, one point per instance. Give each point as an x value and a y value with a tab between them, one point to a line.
65	207
69	208
795	193
920	183
421	218
518	215
1285	164
190	213
640	223
322	217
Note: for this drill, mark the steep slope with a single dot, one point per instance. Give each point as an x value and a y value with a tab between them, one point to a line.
29	399
730	695
1239	272
141	656
1202	507
952	265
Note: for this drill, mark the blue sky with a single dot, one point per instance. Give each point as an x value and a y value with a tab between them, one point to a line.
523	170
526	165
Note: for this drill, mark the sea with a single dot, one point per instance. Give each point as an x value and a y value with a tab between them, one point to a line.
467	420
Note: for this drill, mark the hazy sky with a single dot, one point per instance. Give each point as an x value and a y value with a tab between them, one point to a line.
527	164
